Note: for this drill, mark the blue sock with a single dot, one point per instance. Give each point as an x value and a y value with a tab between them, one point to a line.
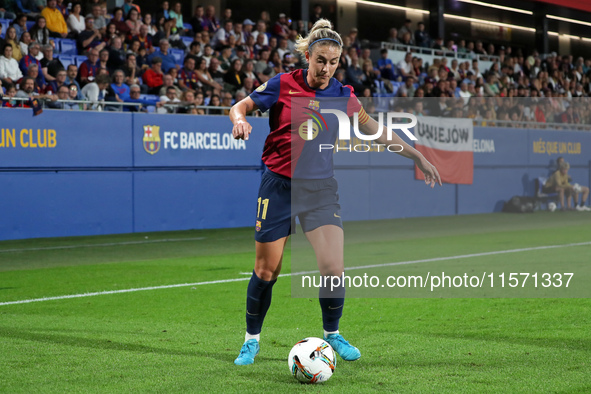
258	301
332	303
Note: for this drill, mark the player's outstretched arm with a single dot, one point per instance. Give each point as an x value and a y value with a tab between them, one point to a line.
431	174
242	128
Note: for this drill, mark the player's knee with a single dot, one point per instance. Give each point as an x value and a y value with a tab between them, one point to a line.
265	273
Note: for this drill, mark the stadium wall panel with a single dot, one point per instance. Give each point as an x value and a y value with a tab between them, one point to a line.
101	176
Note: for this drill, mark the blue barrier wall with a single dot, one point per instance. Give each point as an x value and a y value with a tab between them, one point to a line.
84	173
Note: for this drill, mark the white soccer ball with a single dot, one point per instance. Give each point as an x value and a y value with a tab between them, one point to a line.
577	188
552	206
312	360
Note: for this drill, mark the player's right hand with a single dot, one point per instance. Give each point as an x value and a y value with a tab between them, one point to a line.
241	130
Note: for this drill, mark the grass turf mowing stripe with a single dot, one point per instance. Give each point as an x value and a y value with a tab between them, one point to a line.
296	273
103	244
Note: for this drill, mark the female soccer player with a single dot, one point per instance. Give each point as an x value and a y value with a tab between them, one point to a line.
320	220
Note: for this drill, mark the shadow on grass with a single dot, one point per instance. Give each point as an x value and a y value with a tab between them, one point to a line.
105	344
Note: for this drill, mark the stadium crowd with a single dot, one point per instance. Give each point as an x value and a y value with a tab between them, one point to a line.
170	62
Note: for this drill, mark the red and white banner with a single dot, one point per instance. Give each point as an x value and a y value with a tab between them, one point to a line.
448	144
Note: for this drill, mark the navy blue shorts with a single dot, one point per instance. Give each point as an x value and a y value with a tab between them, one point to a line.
315	203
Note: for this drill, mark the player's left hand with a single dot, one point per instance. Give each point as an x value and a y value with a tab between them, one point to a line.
431	174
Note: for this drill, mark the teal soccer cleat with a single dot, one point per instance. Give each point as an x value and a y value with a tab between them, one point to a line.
347	351
248	352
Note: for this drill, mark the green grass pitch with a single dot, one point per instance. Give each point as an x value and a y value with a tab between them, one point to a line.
184	339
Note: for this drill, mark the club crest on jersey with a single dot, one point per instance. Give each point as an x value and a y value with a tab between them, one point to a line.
314	105
151	139
258	225
262	87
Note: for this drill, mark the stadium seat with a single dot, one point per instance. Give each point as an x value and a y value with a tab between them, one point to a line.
66	60
57	45
78	60
540	195
68	47
5	23
30	25
187	40
187	26
178	55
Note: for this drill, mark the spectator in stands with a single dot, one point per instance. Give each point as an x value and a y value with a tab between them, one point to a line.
9	67
131	70
166	58
11	39
89	67
99	21
10	93
50	65
197	21
149	23
29	89
222	35
63	93
71	79
31	58
60	80
119	22
100	90
128	6
422	38
168	81
75	94
6	12
103	60
194	50
408	89
39	32
248	70
56	23
135	97
406	28
281	28
393	36
215	102
385	66
20	24
117	55
188	77
76	22
169	98
354	76
206	80
234	77
153	76
177	15
405	67
145	39
479	48
119	86
211	24
261	31
133	22
90	37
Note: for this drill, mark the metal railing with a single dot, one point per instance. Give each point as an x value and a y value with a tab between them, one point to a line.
438	52
114	106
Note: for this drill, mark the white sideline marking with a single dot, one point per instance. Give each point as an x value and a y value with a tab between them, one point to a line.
463	256
105	244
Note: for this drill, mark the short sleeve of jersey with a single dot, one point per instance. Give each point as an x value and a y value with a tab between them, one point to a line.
354	105
267	94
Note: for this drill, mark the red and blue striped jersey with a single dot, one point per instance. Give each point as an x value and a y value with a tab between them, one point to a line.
292	102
